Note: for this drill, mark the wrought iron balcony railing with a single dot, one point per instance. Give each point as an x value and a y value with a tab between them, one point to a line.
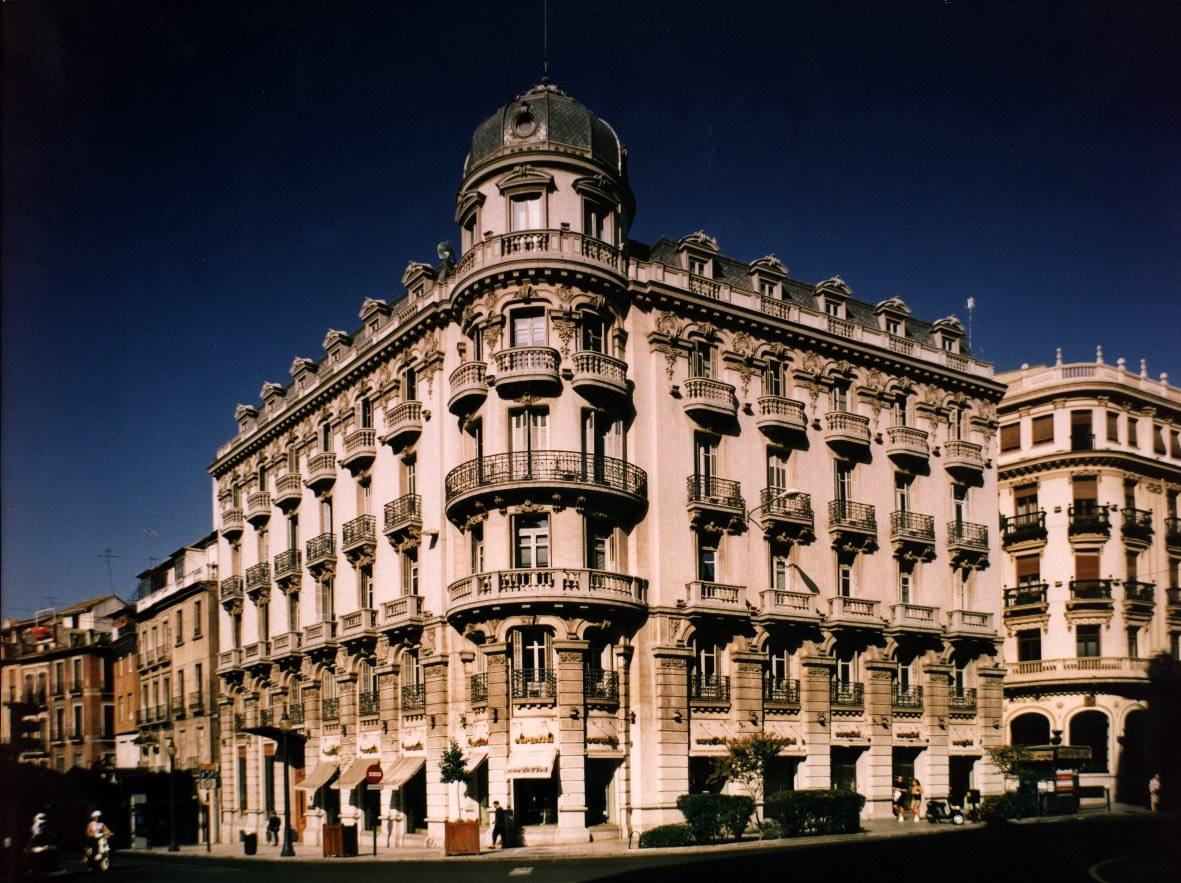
963	699
479	688
330	709
846	694
558	467
709	688
781	691
413	697
534	684
845	514
708	490
367	703
599	685
907	697
1023	527
1088	517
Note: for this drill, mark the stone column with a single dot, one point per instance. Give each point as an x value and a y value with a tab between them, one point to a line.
935	777
254	797
434	670
310	695
879	710
496	665
746	689
623	660
990	725
571	740
816	713
391	739
672	736
228	753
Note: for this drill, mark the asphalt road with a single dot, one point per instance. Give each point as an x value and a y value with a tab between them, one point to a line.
1066	850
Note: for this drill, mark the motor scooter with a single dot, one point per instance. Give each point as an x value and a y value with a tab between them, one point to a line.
98	854
944	811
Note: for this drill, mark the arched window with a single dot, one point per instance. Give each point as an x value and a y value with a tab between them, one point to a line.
1029	729
1091	728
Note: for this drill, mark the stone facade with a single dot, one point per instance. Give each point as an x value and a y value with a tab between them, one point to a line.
592	507
1090	472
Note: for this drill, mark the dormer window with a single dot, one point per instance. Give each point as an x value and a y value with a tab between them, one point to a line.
526	212
697	266
950	345
894	326
768	288
834	308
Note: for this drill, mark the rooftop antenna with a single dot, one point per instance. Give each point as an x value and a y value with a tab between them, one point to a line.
545	42
109	554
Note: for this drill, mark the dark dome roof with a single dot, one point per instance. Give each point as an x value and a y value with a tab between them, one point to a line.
546	117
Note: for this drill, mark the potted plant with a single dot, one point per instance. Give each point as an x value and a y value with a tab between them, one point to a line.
460	836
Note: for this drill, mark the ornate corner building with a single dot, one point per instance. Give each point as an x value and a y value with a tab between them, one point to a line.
591	507
1089	473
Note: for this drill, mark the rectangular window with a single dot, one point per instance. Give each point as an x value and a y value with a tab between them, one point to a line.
703	361
198	682
1029	569
180	627
776	469
477	541
526	212
600	545
1158	440
77	673
1086	567
847	668
326	600
293	612
1087	641
779	572
697	267
1113	426
845	580
708	659
902	411
365	586
766	288
531	540
77	731
833	308
842	472
268	783
904	586
840	397
528	328
707	560
1042	429
242	780
1025	500
901	492
1081	436
773	378
705	461
591	334
530	430
1133	642
893	326
959	501
409	574
595	220
1011	437
1133	433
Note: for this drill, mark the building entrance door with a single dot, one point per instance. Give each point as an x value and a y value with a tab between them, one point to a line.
600	792
781	775
961	777
844	768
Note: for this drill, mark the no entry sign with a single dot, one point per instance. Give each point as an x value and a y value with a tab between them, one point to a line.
373	774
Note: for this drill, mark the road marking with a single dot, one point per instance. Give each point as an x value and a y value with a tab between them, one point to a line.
1093	871
520	872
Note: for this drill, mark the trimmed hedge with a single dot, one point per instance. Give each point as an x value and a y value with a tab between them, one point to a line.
1011	805
666	835
771	830
709	815
815	811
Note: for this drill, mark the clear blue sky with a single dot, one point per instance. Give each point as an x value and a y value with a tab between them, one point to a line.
194	193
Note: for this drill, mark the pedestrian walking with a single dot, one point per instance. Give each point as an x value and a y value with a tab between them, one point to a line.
499	823
896	798
916	797
1154	792
273	830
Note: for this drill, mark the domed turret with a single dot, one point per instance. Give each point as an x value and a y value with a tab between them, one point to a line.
546	118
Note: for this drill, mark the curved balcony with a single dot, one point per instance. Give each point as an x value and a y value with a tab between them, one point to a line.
963	459
233	522
469	387
258	581
846	432
786	516
359	538
1090	594
288	569
1137	526
967	544
403	424
1086	671
498	479
781	418
907	446
526	369
568	588
403	520
1089	520
709	400
258	508
321	471
231	592
912	535
288	491
853	526
1027	600
1139	598
554	248
321	554
597	375
360	447
1173	533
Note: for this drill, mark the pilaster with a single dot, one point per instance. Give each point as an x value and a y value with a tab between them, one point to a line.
934	773
816	712
672	735
434	670
496	665
879	711
746	689
571	709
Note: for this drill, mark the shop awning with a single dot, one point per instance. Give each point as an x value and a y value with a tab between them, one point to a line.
475	758
320	775
352	775
398	773
535	764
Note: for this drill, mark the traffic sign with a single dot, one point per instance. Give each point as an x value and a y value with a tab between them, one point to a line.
373	774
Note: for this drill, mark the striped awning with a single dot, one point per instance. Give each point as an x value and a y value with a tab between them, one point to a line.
320	776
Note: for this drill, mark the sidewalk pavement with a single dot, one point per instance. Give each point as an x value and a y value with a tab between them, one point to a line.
871	829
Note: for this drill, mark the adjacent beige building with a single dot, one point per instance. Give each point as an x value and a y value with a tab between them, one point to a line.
177	646
1090	472
591	507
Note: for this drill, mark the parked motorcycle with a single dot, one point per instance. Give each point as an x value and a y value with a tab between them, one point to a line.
944	811
98	854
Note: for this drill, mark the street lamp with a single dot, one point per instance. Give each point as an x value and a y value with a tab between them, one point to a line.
789	494
285	728
172	845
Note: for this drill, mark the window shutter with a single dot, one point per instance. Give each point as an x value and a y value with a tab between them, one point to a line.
1086	567
1011	437
1029	566
1043	429
1085	488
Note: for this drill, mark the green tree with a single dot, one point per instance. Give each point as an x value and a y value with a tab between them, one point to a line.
1009	760
453	772
746	762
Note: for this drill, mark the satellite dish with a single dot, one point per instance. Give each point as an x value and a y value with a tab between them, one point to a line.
443	250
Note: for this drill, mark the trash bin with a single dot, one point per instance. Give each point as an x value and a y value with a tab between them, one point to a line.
250	843
349	841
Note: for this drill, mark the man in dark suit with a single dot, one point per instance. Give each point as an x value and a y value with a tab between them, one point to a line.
499	823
